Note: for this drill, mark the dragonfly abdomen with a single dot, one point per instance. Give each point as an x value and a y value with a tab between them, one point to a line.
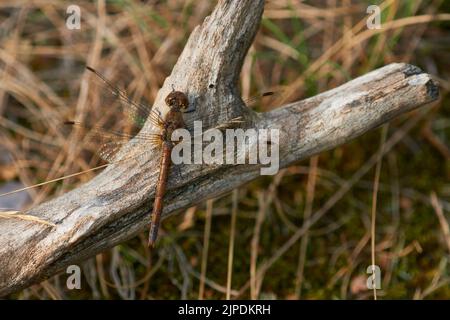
160	192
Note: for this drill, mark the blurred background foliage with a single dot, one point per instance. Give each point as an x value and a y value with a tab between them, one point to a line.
302	47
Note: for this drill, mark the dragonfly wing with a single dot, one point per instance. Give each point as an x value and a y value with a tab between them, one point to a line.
141	153
108	150
137	113
232	123
106	143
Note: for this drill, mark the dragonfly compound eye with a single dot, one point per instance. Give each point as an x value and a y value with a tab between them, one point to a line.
177	100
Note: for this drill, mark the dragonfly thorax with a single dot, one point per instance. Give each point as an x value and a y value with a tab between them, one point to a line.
172	121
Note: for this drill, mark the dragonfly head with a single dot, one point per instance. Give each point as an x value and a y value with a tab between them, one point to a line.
177	101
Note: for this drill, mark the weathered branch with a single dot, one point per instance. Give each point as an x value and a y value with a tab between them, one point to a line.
115	205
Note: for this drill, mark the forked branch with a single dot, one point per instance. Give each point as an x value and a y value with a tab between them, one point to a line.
115	205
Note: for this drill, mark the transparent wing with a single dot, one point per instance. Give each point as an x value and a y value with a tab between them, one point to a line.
107	143
265	98
232	123
137	113
256	98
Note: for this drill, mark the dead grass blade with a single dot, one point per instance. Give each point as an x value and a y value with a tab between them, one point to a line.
54	180
231	243
442	220
376	184
27	217
206	236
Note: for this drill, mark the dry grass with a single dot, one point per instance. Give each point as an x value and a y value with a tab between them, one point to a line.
304	233
17	215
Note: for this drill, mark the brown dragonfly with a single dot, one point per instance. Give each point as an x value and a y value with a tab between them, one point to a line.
111	141
178	103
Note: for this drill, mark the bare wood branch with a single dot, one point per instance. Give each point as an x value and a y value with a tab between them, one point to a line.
115	205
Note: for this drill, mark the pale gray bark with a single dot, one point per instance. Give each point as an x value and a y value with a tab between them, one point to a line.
115	205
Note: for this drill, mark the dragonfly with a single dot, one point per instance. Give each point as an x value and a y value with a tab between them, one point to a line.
177	102
111	141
